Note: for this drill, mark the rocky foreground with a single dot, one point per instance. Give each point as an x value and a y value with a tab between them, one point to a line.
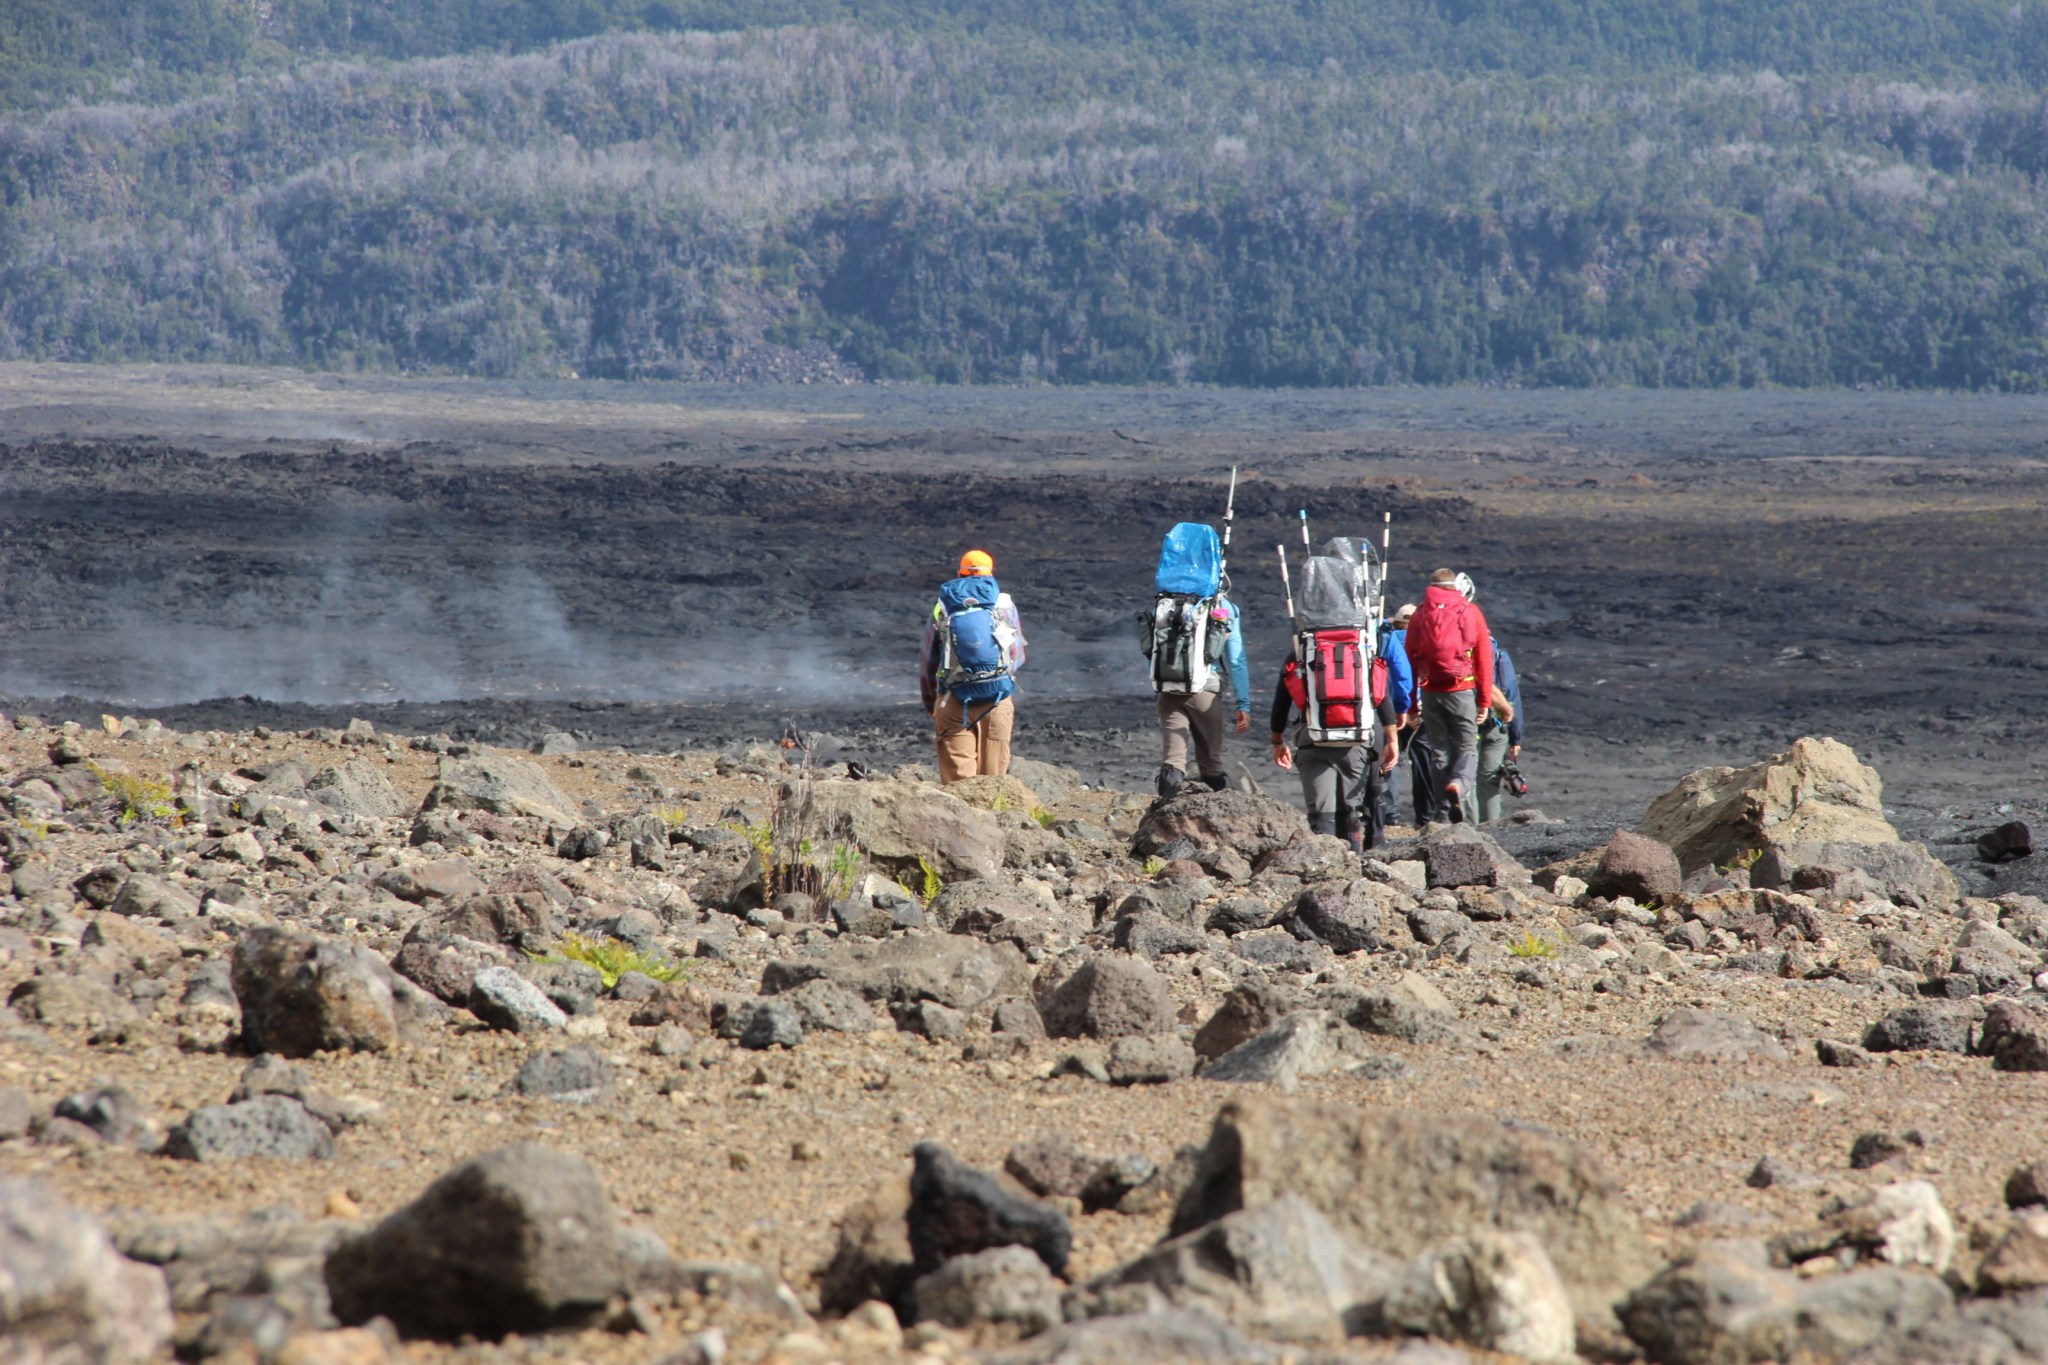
341	1046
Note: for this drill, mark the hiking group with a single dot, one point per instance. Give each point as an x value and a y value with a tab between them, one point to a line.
1354	684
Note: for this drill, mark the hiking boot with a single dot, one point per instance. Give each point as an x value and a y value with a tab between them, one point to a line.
1216	781
1170	782
1455	799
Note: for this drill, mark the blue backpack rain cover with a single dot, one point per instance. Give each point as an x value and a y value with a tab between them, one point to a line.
1190	561
974	664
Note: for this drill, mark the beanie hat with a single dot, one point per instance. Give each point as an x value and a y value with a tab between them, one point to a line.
976	564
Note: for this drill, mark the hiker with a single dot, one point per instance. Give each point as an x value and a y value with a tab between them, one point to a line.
1500	733
973	647
1339	782
1401	692
1192	628
1451	651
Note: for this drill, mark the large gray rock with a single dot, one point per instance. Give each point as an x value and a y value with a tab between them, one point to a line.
574	1075
1692	1032
154	897
1241	822
1726	1304
1006	1285
524	919
358	788
517	1240
504	999
1905	872
1410	1009
1184	1336
1397	1181
501	786
275	1127
302	994
1815	792
986	901
66	1295
956	1210
1108	997
1279	1271
1495	1290
1345	918
959	973
1251	1007
74	1002
896	823
1295	1046
1923	1028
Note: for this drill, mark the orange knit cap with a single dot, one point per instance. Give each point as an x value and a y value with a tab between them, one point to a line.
976	564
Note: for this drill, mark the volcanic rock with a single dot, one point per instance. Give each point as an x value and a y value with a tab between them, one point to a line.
1494	1290
1007	1285
501	786
302	994
1251	1007
1635	866
517	1240
896	823
1108	997
956	1210
959	973
1692	1032
272	1126
504	999
68	1295
2009	841
1815	792
1249	825
574	1076
1397	1181
1345	918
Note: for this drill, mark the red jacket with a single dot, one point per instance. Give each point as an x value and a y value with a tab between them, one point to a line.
1450	646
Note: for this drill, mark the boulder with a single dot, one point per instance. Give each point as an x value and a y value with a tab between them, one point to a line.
956	1210
2011	840
1313	858
896	823
1816	791
1251	1007
154	897
985	902
302	994
430	880
1279	1271
1636	866
358	788
521	919
500	786
1494	1290
959	973
1923	1028
1298	1045
1692	1032
872	1257
2014	1037
1184	1336
1345	918
1108	997
1242	822
517	1240
1725	1303
1901	872
1049	782
1150	1059
66	1295
74	1002
998	794
575	1076
1005	1285
1411	1009
1398	1181
504	999
276	1127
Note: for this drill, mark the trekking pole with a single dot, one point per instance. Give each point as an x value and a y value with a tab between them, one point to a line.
1229	515
1306	548
1386	543
1284	581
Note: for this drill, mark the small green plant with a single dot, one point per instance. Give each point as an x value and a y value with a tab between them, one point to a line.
673	817
1744	860
1001	803
925	883
612	958
138	798
1154	866
1533	945
843	870
36	830
1042	817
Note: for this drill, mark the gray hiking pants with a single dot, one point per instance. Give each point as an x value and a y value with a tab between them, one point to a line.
1493	753
1451	720
1333	786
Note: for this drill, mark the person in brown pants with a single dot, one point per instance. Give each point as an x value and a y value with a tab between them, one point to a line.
973	647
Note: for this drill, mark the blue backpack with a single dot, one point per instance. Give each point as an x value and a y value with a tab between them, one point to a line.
973	664
1187	629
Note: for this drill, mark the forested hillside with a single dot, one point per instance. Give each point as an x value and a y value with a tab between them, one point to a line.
1105	190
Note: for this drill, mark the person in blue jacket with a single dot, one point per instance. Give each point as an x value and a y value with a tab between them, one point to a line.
1199	715
1500	733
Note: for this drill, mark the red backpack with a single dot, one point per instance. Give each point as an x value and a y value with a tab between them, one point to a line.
1334	685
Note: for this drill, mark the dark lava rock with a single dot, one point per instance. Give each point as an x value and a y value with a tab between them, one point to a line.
575	1075
764	1024
1198	819
1250	1009
1332	915
1875	1149
301	994
956	1210
274	1126
1922	1028
2014	1037
1458	864
1020	1019
2009	841
517	1240
1151	935
1108	997
1636	866
1835	1052
1051	1166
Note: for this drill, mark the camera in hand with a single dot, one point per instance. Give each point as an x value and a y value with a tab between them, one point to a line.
1512	781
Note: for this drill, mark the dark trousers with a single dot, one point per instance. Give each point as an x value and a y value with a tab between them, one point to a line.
1378	787
1424	784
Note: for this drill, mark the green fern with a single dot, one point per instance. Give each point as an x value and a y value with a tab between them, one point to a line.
927	883
138	797
612	958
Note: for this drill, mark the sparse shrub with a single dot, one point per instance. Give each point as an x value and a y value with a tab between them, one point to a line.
673	817
1532	945
843	870
1154	866
1042	817
138	798
612	958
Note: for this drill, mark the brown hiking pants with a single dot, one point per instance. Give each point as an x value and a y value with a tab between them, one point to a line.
982	751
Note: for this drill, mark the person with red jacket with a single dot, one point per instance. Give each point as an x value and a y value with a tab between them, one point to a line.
1451	651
